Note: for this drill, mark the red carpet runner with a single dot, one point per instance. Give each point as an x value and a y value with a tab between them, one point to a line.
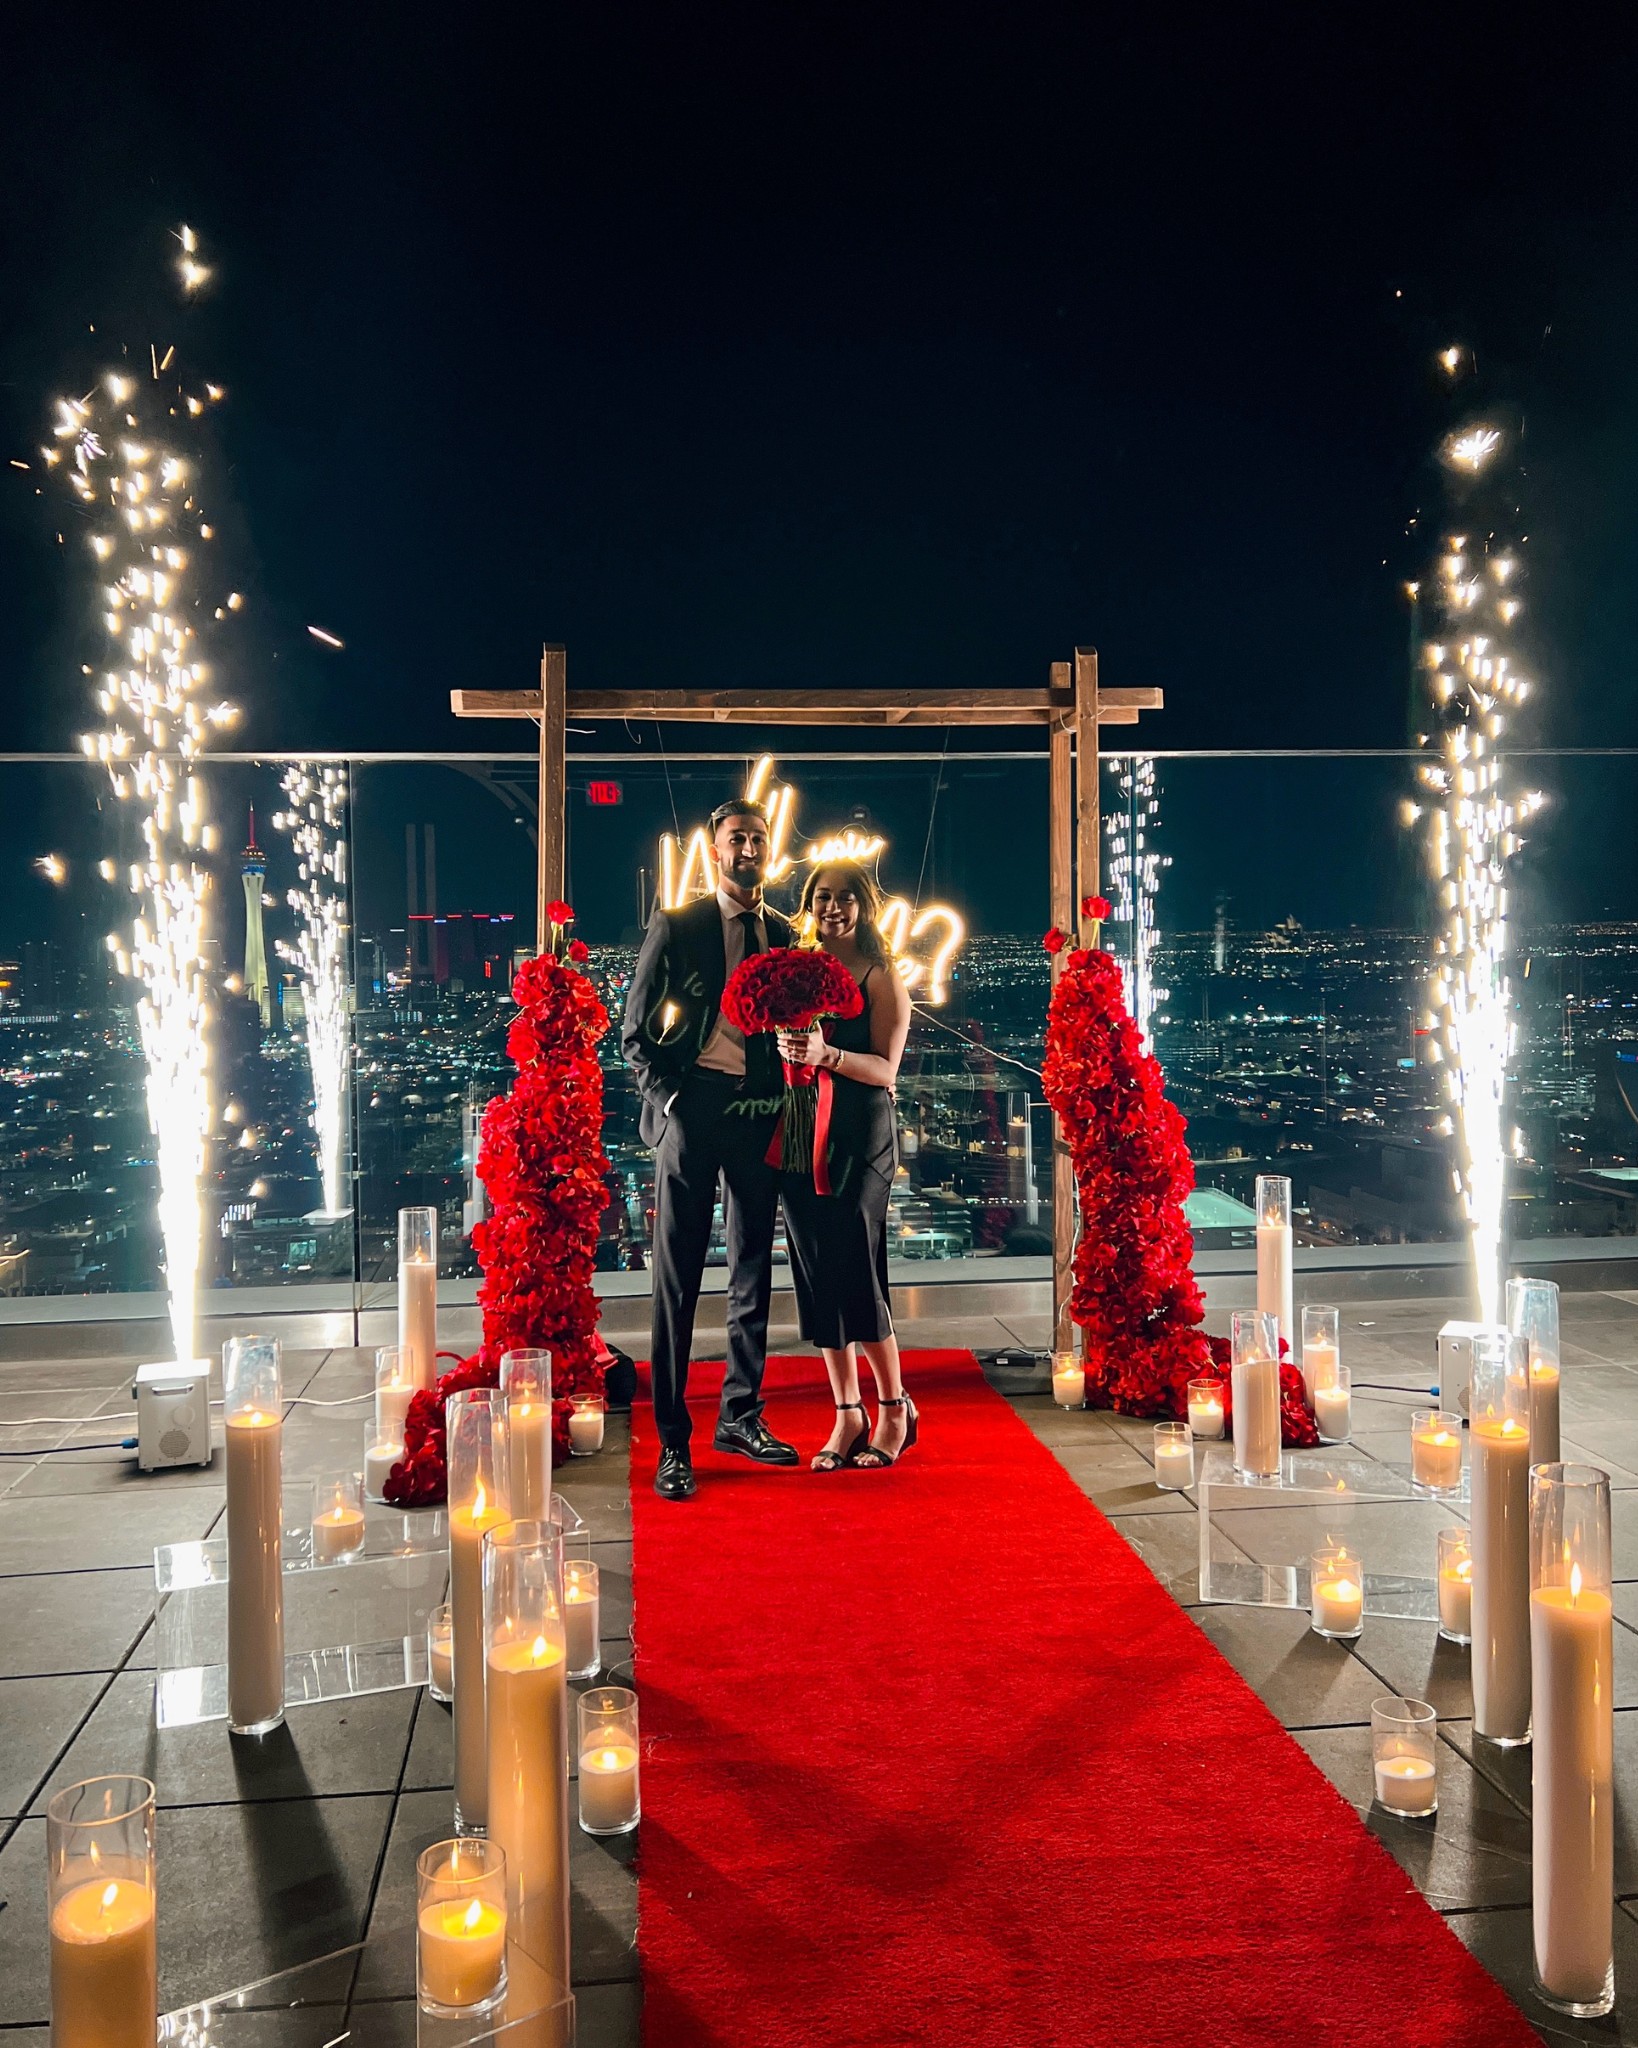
932	1758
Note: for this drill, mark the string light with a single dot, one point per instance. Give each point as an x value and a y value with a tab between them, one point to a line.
923	942
138	492
316	823
1472	838
1135	869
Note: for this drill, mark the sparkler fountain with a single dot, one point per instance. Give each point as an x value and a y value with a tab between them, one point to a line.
1473	826
120	450
316	823
1134	882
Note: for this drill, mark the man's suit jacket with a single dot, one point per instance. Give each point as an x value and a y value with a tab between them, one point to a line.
683	964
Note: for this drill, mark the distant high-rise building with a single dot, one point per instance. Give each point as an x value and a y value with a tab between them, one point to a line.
254	870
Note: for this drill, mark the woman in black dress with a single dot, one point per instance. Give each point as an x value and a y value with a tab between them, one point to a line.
838	1242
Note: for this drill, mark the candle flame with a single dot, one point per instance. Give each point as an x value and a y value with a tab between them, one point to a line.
538	1653
1510	1427
609	1759
1575	1582
473	1914
1442	1437
1345	1589
1464	1568
110	1894
481	1500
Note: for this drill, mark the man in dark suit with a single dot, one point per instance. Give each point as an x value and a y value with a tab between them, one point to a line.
710	1099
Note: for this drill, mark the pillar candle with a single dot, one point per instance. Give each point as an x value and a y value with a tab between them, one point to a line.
528	1792
418	1318
391	1406
1544	1440
337	1533
1069	1385
1319	1367
462	1950
608	1787
379	1459
104	1966
1256	1392
585	1430
466	1532
1501	1580
1274	1274
1572	1839
529	1459
1436	1458
440	1661
255	1648
1456	1599
1333	1412
1406	1784
581	1604
1206	1414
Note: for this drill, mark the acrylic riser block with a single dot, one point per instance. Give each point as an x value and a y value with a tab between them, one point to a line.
351	1626
358	1994
1256	1537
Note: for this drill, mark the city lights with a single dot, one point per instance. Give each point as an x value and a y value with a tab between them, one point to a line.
138	496
316	823
923	941
1135	869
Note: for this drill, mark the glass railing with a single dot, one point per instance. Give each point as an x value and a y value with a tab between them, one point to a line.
1285	976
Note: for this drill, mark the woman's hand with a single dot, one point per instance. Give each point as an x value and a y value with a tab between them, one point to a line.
802	1048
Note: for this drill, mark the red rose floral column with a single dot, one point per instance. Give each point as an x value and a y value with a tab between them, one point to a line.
541	1158
1135	1297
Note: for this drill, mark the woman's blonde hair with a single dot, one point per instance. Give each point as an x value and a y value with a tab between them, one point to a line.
869	893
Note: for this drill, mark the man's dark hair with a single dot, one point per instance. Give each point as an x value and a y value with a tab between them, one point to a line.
739	807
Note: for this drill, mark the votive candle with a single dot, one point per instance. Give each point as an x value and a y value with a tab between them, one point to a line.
1455	1586
609	1754
1436	1450
1206	1408
1174	1456
1068	1380
586	1426
101	1895
582	1606
1337	1592
1404	1756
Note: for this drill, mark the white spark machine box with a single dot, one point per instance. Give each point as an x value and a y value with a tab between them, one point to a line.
1456	1364
173	1415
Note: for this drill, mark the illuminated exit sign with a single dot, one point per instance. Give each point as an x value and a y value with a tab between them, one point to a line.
603	794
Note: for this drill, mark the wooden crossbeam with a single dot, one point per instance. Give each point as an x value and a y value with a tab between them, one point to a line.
838	706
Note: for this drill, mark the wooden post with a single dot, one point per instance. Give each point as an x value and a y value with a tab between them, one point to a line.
1061	902
554	777
1087	821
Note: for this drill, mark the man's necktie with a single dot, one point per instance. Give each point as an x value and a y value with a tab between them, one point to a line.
762	1067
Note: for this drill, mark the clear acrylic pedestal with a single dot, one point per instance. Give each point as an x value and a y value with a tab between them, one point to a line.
1256	1536
351	1626
344	1997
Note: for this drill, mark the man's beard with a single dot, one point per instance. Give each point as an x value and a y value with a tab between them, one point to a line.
744	874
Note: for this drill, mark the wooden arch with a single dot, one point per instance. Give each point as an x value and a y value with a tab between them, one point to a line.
1072	707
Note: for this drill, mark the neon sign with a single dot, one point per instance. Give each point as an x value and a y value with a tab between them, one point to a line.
922	942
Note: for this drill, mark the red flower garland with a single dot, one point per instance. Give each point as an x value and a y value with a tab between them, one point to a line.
1135	1294
541	1158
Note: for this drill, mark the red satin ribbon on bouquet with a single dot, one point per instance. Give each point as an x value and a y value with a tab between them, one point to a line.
797	1077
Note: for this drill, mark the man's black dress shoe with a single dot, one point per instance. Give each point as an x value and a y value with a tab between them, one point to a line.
675	1479
753	1439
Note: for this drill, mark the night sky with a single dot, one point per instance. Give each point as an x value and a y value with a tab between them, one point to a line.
746	348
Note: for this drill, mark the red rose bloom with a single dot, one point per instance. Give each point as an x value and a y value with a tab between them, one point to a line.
1055	940
789	989
579	951
1095	906
559	912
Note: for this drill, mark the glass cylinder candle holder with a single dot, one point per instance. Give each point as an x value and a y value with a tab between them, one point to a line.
1068	1380
440	1654
1174	1456
1206	1409
525	1643
1336	1591
1455	1586
379	1459
101	1900
1274	1262
1404	1756
1572	1862
1334	1404
1499	1532
609	1753
586	1425
1321	1347
1255	1388
526	1393
253	1415
477	1504
582	1615
338	1517
1436	1451
460	1928
1532	1313
395	1386
418	1293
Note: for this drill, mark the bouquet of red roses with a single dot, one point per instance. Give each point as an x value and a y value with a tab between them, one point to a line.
790	989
